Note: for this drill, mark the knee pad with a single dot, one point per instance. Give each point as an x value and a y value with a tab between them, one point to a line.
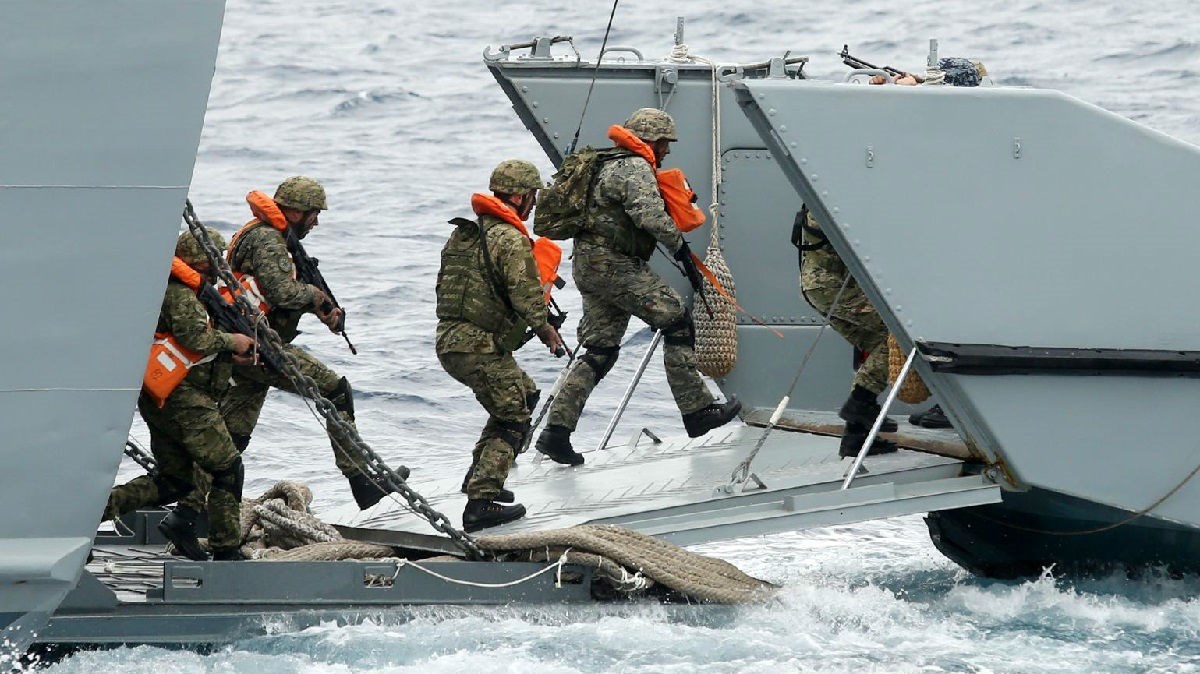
342	397
601	359
512	434
682	332
231	479
170	489
532	398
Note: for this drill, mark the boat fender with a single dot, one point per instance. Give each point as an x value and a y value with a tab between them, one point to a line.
600	358
342	397
682	332
231	479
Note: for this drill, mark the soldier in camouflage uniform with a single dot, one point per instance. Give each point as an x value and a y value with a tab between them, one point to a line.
627	217
188	432
822	274
487	293
261	251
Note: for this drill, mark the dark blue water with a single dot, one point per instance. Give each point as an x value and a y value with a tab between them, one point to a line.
388	104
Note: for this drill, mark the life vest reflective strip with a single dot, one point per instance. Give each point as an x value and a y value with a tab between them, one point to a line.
546	253
677	194
169	361
265	211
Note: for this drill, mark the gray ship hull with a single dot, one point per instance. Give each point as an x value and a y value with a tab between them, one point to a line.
102	110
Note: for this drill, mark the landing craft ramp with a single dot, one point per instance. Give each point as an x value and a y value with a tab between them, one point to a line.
1039	253
681	490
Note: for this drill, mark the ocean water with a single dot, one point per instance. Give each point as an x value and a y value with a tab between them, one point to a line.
388	104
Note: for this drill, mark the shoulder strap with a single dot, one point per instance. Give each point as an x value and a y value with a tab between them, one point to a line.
488	268
800	226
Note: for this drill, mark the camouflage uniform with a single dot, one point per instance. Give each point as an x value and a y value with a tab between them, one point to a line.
261	251
627	217
854	318
188	432
475	336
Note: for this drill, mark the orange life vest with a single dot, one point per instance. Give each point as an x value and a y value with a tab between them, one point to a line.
677	194
546	253
265	210
169	361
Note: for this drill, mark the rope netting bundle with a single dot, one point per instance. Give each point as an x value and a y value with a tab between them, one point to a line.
279	527
716	336
634	561
913	389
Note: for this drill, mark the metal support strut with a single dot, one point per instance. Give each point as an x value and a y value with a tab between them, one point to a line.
637	377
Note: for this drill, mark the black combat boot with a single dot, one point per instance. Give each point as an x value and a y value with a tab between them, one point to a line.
481	513
366	492
555	442
715	415
853	438
861	408
228	555
933	417
179	527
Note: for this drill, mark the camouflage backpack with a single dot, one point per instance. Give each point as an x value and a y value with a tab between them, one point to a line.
562	208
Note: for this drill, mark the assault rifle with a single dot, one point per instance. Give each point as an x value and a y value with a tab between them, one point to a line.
227	317
307	272
859	64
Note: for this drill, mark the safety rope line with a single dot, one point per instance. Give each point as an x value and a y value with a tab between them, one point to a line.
346	437
555	567
592	85
742	474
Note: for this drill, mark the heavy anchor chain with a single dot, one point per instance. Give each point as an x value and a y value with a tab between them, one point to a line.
342	433
141	457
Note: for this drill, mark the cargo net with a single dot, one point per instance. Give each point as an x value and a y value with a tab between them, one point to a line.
716	319
278	526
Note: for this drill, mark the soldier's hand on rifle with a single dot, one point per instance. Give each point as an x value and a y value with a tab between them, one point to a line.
243	350
319	298
332	319
242	344
552	340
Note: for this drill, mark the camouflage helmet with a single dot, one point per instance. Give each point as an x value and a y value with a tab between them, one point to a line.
188	249
651	124
515	176
301	193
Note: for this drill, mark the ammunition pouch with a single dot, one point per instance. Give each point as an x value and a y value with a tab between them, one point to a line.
621	236
601	359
